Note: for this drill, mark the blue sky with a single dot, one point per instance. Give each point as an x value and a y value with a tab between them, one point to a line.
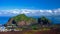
29	4
13	7
28	7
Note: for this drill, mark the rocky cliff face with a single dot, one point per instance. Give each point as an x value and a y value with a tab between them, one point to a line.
22	20
11	21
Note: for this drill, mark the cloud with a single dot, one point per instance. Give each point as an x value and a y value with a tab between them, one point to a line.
9	12
46	12
24	11
30	12
57	11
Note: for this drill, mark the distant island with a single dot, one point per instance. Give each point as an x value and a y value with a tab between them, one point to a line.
24	22
21	20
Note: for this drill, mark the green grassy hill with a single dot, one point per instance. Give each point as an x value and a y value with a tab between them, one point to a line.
23	17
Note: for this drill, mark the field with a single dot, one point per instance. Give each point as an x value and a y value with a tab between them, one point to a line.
52	31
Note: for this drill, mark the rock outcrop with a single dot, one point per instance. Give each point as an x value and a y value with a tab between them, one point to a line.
22	20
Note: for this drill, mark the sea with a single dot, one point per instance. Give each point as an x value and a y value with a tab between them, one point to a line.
54	19
4	19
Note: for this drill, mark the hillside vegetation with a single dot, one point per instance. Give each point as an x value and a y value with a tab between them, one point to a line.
23	17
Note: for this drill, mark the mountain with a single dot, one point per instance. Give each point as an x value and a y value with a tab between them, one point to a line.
21	20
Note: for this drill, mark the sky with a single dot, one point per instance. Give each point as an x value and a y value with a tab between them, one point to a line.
29	7
29	4
14	7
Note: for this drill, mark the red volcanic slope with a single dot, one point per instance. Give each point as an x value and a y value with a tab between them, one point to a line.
38	32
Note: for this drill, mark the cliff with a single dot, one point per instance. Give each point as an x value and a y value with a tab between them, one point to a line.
22	20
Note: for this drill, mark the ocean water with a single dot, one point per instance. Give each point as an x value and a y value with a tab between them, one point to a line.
4	19
54	19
